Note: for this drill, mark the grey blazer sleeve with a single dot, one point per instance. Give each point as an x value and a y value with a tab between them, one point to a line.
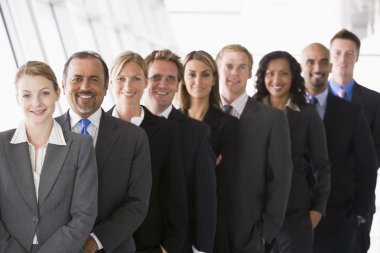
8	243
71	237
278	174
319	160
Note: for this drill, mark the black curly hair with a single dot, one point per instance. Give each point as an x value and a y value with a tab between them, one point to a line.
297	89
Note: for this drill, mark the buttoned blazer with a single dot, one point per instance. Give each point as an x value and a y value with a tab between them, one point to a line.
166	221
261	182
65	211
123	159
369	100
309	156
199	163
352	156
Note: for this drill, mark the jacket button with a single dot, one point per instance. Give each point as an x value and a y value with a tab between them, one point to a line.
35	219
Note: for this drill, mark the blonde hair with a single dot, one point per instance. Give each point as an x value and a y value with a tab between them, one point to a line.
37	68
235	48
214	97
124	58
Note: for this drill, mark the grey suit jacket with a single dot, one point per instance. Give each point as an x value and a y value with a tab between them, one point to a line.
125	180
66	208
261	182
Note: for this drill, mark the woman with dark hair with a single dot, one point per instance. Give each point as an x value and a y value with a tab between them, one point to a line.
199	99
279	84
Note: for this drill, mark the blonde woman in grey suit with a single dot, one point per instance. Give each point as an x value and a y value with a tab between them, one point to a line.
48	177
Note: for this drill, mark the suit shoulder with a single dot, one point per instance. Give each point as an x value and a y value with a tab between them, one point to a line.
7	135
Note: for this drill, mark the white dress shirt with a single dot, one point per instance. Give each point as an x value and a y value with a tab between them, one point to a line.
238	105
76	125
134	120
166	112
56	137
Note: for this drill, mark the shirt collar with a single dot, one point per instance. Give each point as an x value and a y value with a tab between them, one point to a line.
289	104
322	97
94	118
56	135
347	87
134	120
238	104
166	112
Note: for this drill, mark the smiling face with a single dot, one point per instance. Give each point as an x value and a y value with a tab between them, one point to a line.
278	79
36	97
162	84
344	55
85	86
316	68
199	79
129	84
234	71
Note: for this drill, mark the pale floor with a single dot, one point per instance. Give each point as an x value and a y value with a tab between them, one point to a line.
375	233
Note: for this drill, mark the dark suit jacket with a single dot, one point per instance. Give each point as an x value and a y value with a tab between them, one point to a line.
352	156
223	137
166	221
309	152
65	211
369	100
199	164
122	154
224	142
261	181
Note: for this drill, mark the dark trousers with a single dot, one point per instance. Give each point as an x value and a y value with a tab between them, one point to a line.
336	232
363	239
296	234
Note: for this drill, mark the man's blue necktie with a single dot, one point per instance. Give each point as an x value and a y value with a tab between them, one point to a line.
85	123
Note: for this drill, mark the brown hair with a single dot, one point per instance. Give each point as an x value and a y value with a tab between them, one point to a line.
347	35
214	97
235	48
37	68
124	58
166	55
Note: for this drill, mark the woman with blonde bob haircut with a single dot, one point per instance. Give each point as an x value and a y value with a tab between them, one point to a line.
165	225
48	176
199	99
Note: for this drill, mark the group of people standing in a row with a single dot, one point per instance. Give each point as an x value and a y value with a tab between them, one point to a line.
292	169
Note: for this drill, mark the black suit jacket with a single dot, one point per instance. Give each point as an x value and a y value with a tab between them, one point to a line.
369	100
223	137
262	177
123	159
309	152
352	156
166	221
224	143
199	164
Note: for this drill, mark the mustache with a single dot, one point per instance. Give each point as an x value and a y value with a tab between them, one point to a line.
86	92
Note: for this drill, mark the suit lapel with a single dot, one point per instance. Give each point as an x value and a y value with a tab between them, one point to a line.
293	117
176	115
357	96
149	123
249	114
64	121
54	159
107	137
20	165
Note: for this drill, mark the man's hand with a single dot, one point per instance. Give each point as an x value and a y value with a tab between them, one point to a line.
315	217
163	250
90	245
